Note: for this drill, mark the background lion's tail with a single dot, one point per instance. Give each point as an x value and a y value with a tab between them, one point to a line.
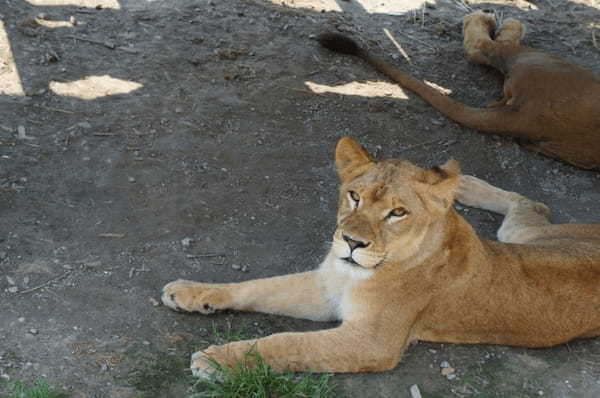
497	120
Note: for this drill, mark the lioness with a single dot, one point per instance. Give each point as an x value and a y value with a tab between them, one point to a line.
550	105
405	266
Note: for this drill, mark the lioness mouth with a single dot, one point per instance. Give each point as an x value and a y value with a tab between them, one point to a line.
351	261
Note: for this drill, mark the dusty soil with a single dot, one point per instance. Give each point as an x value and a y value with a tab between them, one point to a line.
210	158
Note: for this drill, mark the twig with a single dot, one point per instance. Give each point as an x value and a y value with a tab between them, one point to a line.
205	255
101	43
49	108
45	284
106	44
408	148
110	235
398	46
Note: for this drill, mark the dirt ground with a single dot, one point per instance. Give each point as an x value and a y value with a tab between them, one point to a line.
143	141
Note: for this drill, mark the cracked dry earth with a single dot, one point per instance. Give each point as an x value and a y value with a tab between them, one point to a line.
144	141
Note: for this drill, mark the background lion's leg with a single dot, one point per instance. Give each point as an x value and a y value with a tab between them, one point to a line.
511	31
298	295
524	219
478	28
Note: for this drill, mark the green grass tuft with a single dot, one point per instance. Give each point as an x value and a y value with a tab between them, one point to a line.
253	378
41	389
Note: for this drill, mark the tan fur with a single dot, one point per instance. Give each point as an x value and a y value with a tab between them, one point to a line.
550	104
418	271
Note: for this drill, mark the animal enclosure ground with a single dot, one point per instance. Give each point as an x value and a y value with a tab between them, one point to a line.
144	141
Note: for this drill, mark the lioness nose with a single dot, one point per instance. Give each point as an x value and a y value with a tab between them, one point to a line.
353	243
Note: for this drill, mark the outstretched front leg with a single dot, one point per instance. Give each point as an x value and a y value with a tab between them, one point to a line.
352	347
300	295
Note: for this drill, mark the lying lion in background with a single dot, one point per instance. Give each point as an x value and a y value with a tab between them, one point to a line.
405	266
551	105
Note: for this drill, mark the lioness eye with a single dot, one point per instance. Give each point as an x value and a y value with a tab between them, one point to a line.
354	196
398	212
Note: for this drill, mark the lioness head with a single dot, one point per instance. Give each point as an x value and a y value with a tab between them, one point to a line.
387	208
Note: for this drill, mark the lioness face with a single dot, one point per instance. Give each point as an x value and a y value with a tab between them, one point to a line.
386	208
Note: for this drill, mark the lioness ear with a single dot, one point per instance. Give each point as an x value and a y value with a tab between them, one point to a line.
351	159
437	186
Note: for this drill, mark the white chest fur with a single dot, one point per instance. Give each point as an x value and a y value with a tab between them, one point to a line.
339	278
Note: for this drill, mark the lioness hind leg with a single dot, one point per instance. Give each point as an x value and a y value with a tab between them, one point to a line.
524	218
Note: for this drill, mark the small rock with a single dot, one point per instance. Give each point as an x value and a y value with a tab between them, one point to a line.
178	109
67	266
21	134
451	376
131	179
33	331
10	280
186	242
13	289
21	319
85	125
145	342
447	371
431	350
26	281
154	302
73	20
236	267
415	392
444	364
43	16
245	268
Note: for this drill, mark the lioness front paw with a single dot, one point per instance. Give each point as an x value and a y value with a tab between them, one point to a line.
194	297
201	366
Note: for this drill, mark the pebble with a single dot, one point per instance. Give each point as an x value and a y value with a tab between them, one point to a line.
22	134
236	267
154	302
245	268
21	319
447	371
73	20
85	125
13	289
33	331
444	364
415	392
131	179
186	242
